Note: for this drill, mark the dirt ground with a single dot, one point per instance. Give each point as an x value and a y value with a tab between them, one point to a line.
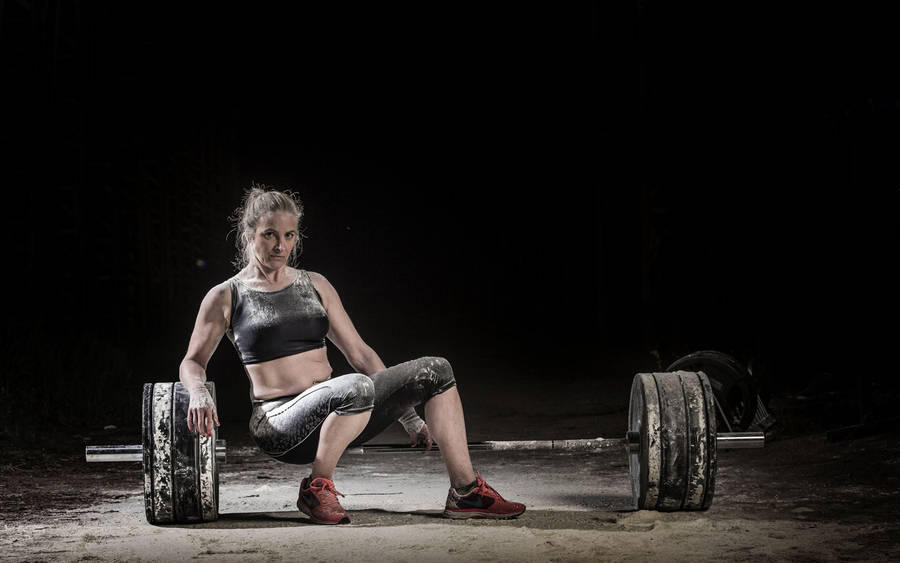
801	498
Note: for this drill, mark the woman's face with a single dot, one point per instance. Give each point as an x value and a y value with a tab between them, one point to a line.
276	234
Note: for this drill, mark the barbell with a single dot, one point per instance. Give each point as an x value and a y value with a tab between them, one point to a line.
671	443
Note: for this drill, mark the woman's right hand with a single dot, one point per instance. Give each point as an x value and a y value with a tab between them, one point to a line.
202	412
212	320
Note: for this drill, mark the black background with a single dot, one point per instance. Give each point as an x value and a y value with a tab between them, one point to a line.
544	193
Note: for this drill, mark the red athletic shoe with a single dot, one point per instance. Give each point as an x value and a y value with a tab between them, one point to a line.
481	502
318	500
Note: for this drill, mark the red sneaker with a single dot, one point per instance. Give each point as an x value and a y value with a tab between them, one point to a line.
318	500
481	502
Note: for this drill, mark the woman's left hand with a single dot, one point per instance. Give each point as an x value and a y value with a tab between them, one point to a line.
421	438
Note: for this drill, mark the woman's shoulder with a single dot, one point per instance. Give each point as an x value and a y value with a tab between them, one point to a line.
316	277
217	301
318	280
322	285
221	292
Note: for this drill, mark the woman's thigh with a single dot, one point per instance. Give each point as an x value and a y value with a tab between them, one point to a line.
287	428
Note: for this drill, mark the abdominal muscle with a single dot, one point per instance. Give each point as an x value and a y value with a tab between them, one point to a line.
290	375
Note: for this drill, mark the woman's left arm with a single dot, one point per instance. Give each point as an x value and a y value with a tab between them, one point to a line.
341	331
360	355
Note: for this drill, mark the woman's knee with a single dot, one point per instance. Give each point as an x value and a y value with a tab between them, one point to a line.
358	394
439	371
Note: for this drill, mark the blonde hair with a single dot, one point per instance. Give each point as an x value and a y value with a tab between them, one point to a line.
259	200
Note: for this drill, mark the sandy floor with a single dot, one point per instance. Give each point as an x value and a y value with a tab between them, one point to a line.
800	498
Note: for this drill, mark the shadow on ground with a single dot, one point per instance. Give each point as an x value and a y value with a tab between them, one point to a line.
536	519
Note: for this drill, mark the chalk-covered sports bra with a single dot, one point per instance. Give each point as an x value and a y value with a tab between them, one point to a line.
266	325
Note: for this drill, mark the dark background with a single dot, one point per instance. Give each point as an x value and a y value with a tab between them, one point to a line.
546	195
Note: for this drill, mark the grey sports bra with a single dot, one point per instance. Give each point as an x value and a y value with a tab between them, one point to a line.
266	325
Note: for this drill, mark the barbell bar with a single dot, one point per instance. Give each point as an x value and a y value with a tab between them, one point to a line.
133	452
671	443
725	441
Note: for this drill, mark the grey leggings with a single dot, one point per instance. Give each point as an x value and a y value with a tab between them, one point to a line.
287	428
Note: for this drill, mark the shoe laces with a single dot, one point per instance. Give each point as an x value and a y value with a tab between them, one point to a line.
483	487
323	487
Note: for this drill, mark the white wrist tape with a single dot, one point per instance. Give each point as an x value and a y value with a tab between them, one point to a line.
411	422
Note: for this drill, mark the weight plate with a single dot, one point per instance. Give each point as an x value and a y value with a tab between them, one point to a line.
675	466
711	444
180	474
734	388
644	464
208	470
185	474
697	419
161	452
675	454
147	443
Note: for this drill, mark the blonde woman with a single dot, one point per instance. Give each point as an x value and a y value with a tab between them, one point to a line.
277	316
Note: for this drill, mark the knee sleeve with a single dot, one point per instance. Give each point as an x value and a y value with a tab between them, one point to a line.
437	373
356	395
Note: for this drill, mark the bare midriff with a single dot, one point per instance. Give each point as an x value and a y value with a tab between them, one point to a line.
290	375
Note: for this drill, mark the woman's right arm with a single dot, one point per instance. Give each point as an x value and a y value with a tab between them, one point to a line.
211	323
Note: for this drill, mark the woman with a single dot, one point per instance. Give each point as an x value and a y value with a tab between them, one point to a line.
277	317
